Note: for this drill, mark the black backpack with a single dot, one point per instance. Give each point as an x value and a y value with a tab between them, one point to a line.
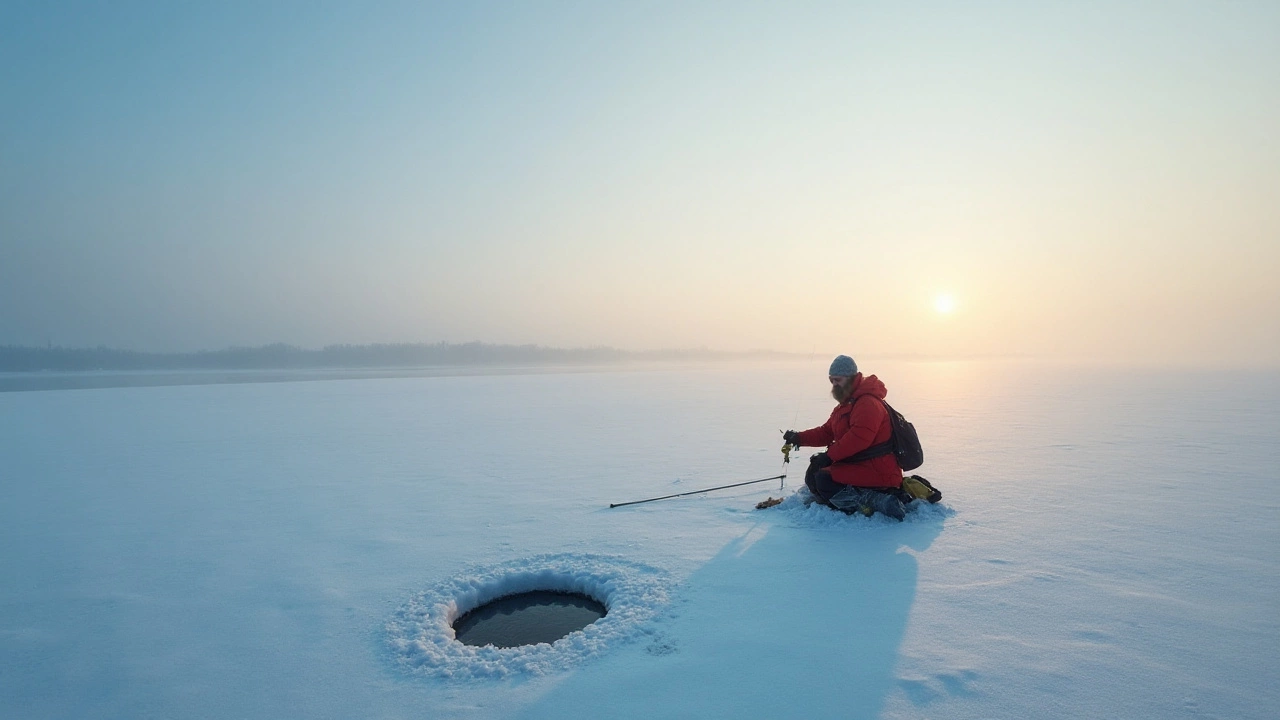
903	443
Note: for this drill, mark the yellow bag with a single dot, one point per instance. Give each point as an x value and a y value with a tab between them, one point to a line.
920	489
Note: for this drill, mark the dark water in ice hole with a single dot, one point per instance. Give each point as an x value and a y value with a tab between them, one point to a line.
527	619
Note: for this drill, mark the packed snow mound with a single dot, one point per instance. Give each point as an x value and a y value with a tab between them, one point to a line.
800	510
421	637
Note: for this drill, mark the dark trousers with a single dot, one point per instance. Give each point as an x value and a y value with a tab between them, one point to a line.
818	480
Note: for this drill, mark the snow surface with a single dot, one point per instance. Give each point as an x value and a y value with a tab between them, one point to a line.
1106	547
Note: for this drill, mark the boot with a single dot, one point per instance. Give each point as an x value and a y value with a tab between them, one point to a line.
866	501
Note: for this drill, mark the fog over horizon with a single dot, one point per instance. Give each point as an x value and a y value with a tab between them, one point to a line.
1056	180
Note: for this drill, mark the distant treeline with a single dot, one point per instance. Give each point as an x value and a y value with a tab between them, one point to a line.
287	357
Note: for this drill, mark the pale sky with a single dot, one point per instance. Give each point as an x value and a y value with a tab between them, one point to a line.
1083	179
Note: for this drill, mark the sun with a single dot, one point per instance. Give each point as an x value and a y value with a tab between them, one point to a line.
945	304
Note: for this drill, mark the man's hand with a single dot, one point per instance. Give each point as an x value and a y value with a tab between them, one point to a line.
792	437
821	460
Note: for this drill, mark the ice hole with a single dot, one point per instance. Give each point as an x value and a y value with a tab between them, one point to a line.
528	618
423	639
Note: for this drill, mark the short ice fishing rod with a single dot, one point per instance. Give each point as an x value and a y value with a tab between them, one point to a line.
695	492
786	458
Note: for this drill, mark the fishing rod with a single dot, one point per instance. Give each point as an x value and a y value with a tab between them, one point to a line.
695	492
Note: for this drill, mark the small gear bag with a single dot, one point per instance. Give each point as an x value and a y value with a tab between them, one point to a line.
921	489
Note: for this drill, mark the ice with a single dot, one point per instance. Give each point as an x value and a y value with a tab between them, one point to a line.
1106	546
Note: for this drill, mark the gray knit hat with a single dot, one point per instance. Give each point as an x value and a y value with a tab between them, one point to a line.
843	366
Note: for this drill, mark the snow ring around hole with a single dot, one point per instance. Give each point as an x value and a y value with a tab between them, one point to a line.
420	634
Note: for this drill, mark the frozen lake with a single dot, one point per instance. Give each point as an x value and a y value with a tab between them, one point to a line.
1107	545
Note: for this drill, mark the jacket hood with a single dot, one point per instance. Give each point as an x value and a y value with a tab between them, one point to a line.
869	385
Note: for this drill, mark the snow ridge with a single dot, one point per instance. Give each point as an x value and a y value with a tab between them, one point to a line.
422	642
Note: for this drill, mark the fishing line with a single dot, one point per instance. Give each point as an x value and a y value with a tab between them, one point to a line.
787	447
800	391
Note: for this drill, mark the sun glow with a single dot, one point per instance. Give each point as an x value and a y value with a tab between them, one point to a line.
945	304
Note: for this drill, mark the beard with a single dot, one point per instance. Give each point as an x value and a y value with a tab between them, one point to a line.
841	392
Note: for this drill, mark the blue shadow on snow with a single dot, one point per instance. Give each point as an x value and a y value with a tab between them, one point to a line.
782	622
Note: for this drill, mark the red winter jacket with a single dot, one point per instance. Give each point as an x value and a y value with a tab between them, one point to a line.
855	425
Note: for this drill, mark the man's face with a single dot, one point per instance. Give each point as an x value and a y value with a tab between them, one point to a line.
840	387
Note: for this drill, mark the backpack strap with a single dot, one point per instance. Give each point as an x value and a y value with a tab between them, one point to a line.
875	451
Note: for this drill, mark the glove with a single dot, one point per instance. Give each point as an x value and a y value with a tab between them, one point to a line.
792	437
820	460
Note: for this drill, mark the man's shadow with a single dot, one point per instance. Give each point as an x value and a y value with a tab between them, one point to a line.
784	621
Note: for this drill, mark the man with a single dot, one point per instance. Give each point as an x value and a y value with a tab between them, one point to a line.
837	477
